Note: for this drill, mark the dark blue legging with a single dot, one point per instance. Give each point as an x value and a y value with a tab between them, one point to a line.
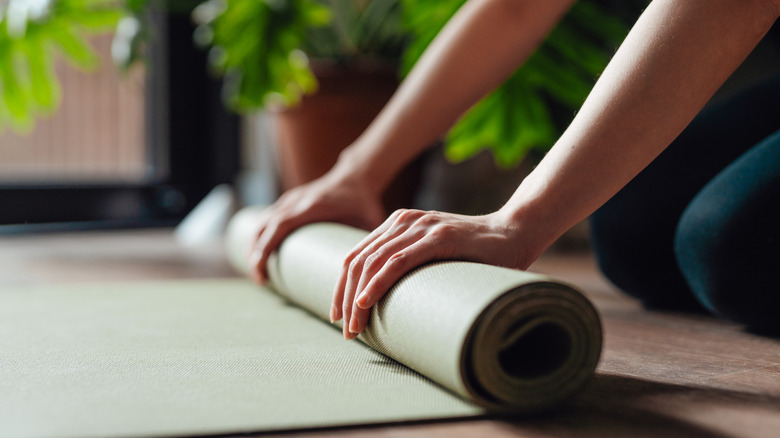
700	226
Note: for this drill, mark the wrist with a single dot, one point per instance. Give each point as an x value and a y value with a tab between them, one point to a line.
531	226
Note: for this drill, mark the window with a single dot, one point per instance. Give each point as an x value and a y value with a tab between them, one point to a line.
96	136
123	150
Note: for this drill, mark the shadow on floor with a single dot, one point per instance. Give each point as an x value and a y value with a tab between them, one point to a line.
627	406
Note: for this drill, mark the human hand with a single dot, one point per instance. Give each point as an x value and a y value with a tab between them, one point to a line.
332	197
410	238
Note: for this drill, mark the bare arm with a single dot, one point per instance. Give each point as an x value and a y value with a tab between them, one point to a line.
674	59
672	62
478	49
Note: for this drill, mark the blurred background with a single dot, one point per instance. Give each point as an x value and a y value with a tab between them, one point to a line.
128	113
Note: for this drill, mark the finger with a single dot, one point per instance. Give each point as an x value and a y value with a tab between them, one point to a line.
259	257
269	241
353	276
391	222
359	320
375	262
338	293
336	309
343	284
357	269
399	264
252	256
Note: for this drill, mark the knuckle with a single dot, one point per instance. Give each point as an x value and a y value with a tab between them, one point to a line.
397	260
373	261
355	265
346	264
443	231
430	219
394	215
405	215
351	257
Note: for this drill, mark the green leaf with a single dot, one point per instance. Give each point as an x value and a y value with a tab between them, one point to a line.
13	93
28	84
43	82
258	44
96	19
76	49
516	117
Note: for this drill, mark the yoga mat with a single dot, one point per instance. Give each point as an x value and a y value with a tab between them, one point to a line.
186	358
200	357
505	339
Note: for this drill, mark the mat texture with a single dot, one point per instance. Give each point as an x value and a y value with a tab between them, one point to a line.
191	358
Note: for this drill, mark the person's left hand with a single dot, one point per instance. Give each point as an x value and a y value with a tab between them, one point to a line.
410	238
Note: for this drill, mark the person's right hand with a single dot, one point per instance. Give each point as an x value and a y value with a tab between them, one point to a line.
332	197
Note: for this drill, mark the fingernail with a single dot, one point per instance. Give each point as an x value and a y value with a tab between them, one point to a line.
354	326
361	299
332	314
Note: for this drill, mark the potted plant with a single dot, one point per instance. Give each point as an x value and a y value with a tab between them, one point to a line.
323	68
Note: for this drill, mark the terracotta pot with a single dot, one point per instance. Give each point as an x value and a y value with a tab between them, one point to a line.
311	135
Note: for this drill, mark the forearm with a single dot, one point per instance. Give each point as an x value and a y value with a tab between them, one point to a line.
672	62
477	50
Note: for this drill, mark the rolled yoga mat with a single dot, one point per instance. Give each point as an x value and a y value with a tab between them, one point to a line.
506	339
224	356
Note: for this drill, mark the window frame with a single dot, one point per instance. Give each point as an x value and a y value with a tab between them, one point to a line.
193	143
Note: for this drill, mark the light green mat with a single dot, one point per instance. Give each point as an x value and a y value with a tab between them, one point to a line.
187	358
507	339
226	356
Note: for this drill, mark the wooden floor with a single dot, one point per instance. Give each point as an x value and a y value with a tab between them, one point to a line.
661	374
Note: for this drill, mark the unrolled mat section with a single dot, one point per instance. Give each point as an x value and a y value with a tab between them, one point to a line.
505	339
191	358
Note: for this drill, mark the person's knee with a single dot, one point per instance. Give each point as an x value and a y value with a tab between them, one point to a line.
636	254
726	266
726	240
